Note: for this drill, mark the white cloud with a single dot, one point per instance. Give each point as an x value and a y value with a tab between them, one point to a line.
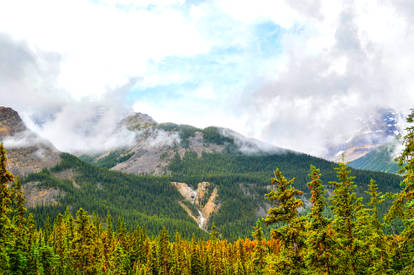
101	46
339	70
339	61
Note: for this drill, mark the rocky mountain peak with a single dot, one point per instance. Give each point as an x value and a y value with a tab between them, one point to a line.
10	122
27	153
136	121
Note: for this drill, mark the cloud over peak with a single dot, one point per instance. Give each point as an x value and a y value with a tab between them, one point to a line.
294	74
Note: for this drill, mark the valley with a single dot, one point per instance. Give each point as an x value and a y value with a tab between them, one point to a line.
176	176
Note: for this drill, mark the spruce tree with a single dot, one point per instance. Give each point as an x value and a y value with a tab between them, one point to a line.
403	205
378	250
291	235
84	243
213	232
20	250
259	252
163	251
195	258
320	256
347	207
6	226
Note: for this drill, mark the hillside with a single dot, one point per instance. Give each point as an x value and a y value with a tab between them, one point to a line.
145	200
232	187
156	144
381	159
180	177
379	128
27	152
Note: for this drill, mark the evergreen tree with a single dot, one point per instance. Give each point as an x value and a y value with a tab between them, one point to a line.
6	227
321	245
259	252
84	243
19	252
213	232
403	205
163	252
291	235
378	250
347	208
195	258
119	260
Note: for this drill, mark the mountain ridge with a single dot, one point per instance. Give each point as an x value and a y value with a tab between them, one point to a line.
237	180
27	152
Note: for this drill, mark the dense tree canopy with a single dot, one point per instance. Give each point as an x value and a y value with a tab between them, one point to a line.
340	235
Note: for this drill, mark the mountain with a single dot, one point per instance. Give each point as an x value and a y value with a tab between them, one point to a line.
380	159
177	176
53	181
27	152
235	171
379	129
156	145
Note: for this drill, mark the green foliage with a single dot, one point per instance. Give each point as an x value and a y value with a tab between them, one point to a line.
259	252
299	245
146	200
321	244
214	135
380	159
291	234
184	131
403	205
242	182
108	161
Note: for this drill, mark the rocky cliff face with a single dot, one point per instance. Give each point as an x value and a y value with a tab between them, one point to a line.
203	199
27	153
10	122
155	145
380	128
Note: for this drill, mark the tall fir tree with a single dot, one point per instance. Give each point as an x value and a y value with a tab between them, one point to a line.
19	254
380	261
321	245
291	235
163	251
6	226
259	252
403	205
347	208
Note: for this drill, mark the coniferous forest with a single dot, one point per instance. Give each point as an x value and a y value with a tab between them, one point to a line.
340	235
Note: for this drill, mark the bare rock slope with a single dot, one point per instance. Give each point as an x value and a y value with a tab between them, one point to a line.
27	153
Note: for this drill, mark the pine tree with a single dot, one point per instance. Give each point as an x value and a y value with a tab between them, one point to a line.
291	234
6	226
48	260
259	252
378	250
84	243
403	205
163	252
119	260
213	232
195	258
151	264
347	208
19	253
321	245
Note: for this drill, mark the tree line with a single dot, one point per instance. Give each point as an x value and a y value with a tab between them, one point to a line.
349	241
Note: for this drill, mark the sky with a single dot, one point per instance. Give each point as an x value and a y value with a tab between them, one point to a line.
301	75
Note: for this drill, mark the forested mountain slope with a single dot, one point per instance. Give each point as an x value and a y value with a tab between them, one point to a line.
193	177
240	182
381	159
145	200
